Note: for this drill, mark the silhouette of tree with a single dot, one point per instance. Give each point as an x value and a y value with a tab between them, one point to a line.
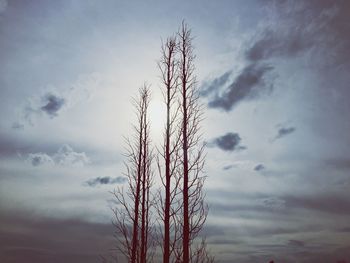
132	216
194	209
182	208
168	158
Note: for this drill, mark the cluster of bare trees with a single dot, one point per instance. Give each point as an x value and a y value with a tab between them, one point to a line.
170	217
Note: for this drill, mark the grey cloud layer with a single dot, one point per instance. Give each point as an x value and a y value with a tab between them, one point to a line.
263	205
331	204
286	223
28	239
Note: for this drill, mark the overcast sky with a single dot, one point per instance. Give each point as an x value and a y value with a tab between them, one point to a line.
273	75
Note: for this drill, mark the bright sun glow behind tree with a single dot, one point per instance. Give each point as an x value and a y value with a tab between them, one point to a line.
157	115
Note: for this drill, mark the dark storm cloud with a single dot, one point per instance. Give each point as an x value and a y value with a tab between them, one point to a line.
228	142
52	104
278	44
284	131
259	167
209	87
293	28
42	240
290	30
247	85
105	180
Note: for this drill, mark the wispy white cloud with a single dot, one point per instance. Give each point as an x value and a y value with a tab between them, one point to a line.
65	156
37	159
53	101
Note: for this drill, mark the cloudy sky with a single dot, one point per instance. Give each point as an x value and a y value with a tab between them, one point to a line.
274	76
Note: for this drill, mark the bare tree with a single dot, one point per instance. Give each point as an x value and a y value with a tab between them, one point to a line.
168	159
194	209
182	208
146	181
132	216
